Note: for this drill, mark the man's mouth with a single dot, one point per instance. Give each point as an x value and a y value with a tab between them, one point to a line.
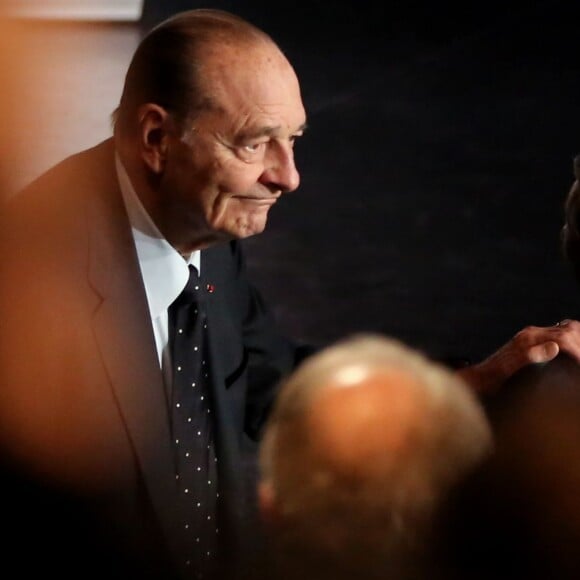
258	199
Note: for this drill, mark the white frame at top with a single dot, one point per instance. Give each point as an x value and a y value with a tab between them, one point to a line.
115	10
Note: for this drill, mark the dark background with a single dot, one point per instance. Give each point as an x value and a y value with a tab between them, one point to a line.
437	159
434	170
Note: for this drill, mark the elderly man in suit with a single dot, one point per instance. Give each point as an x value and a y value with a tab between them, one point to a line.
104	243
99	250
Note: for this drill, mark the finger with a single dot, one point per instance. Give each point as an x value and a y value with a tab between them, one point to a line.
543	352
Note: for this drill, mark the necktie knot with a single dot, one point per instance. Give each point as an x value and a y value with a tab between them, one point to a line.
191	292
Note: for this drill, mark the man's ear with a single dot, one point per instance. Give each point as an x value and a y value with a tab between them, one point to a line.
267	504
154	134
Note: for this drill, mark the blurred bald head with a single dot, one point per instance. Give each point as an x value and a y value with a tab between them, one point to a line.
364	441
355	424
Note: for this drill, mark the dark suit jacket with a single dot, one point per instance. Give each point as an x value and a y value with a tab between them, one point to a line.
83	406
557	380
516	514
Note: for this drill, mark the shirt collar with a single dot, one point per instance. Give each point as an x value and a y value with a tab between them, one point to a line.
165	272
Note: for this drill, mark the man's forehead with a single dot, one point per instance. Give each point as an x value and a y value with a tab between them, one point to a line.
255	67
251	90
254	110
246	120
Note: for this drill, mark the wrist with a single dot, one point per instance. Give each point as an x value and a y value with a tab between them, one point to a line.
482	377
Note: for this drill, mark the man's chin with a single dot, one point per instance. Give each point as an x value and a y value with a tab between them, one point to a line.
252	230
245	228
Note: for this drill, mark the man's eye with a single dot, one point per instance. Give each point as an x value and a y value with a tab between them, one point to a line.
251	152
253	147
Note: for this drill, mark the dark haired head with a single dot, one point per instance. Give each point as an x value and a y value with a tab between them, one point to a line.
570	235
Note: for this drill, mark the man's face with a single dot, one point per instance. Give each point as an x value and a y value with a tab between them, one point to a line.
222	176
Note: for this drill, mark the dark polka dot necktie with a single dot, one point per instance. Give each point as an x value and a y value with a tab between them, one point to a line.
192	426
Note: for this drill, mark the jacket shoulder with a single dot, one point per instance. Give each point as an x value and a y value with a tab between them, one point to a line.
63	190
81	169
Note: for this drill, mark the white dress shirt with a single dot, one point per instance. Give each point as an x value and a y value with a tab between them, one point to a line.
165	272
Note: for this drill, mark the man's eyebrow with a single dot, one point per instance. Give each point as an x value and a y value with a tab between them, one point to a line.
267	131
302	128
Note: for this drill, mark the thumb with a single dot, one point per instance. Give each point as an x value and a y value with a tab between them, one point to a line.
543	352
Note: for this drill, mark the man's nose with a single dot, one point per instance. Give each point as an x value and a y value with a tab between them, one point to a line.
280	172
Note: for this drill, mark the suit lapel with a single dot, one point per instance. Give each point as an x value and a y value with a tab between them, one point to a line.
124	335
211	268
213	265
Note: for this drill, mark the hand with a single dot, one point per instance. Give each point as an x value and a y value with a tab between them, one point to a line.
533	344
